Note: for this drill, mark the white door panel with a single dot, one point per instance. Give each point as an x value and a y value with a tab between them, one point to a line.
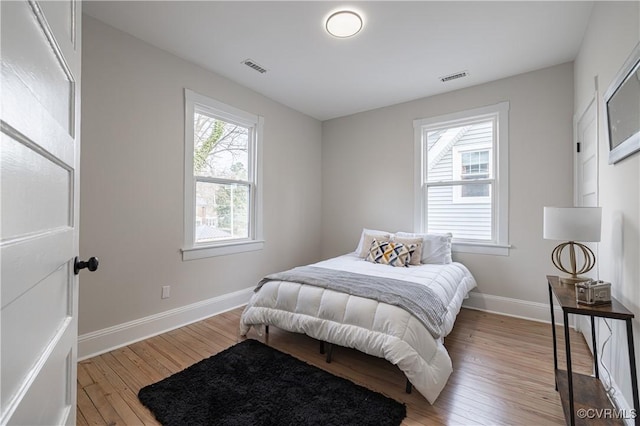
61	20
35	60
50	299
38	189
587	158
39	155
36	83
42	406
36	258
590	199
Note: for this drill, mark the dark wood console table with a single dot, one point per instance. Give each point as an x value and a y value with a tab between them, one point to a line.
579	391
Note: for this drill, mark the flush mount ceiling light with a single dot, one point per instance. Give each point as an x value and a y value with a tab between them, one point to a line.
344	24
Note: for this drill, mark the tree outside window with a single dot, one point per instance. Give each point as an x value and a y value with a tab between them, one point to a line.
220	160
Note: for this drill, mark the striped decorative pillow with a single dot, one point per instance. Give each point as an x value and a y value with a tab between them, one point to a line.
390	253
416	254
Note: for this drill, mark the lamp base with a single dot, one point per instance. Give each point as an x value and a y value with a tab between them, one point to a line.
589	260
572	280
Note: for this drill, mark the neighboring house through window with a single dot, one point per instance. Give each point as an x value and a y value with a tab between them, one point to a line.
472	164
222	191
462	178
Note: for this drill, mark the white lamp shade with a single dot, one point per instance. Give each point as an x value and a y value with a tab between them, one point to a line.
572	223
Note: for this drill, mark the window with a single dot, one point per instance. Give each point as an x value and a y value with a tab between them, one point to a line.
472	163
462	178
222	192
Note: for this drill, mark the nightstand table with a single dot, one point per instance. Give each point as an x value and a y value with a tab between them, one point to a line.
578	391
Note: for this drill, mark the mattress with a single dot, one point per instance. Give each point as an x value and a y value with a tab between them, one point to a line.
373	327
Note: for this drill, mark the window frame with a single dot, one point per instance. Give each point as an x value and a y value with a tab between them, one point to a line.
499	245
191	250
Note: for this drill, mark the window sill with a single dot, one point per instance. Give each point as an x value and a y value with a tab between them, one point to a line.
481	248
202	252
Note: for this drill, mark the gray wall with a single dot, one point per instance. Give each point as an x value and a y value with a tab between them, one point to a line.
359	149
613	32
132	183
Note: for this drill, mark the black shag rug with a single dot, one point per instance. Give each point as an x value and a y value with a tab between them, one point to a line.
253	384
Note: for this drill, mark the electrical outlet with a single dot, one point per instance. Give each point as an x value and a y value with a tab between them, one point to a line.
166	291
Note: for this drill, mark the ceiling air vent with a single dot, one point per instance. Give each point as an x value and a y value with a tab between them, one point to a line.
251	64
454	76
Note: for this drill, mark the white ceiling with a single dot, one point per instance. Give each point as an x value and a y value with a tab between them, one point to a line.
399	55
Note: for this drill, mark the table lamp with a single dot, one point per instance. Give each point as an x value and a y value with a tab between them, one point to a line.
572	224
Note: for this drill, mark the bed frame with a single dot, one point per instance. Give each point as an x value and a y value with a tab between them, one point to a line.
408	386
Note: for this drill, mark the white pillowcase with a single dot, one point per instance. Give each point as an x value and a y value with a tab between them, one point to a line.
367	237
436	248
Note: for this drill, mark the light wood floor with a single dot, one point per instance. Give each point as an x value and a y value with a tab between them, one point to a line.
503	371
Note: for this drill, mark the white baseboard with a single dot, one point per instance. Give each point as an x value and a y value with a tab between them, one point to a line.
517	308
108	339
625	410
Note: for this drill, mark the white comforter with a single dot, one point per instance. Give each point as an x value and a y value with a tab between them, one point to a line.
372	327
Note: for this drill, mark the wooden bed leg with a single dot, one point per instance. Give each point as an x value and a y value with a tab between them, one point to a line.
322	347
329	353
408	387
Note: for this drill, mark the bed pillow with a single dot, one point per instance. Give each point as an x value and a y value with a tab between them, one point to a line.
389	253
436	248
416	255
367	237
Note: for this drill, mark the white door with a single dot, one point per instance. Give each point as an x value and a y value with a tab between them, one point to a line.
587	157
40	129
586	184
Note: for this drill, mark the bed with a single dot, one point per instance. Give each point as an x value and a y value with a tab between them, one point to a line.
379	325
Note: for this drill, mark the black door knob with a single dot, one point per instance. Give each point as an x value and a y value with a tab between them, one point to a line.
91	264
